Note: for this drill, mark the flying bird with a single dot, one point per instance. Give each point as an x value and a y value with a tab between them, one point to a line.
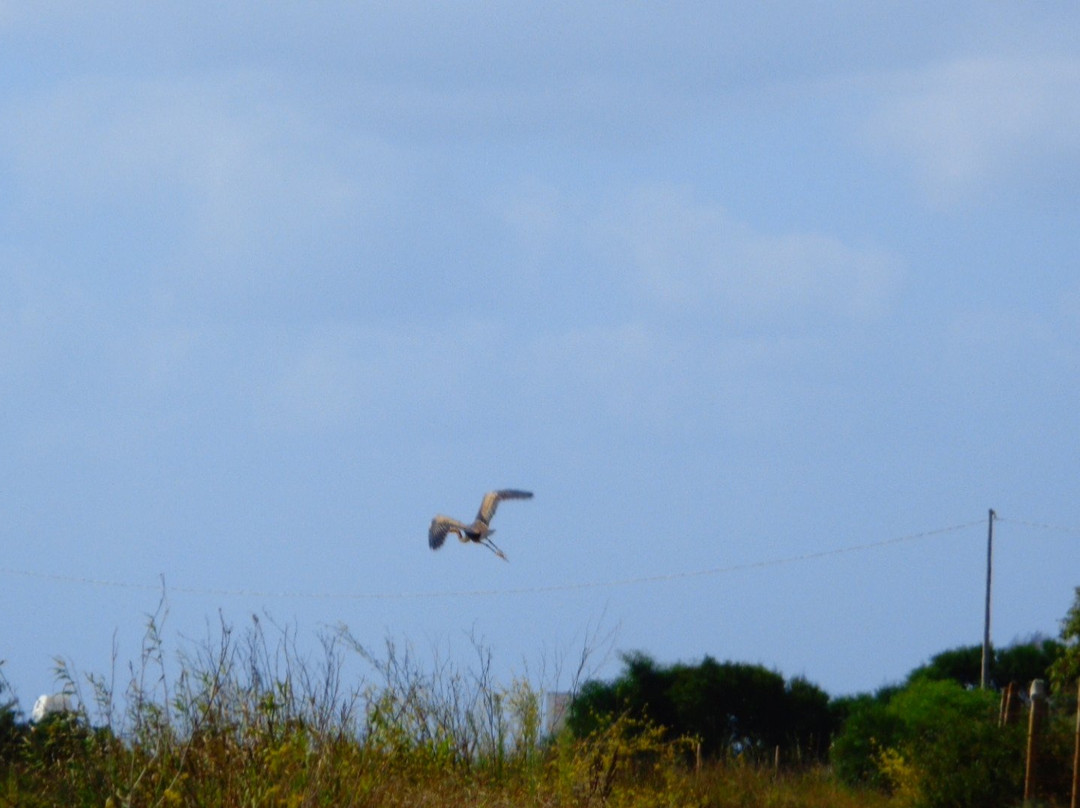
479	531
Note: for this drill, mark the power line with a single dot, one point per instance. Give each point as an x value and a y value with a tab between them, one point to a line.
568	587
775	562
1039	525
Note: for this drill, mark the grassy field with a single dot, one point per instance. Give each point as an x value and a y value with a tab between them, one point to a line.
294	769
248	722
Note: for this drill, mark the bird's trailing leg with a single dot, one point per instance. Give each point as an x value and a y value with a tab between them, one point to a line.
488	543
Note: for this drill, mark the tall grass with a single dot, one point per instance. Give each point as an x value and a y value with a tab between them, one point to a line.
247	720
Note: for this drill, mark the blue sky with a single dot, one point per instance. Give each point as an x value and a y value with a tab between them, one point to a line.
723	284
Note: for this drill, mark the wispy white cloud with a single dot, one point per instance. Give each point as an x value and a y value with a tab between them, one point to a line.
234	150
659	381
348	377
40	312
598	372
968	124
1010	342
694	255
227	187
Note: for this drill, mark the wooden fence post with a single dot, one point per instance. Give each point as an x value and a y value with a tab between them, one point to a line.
1010	706
1036	719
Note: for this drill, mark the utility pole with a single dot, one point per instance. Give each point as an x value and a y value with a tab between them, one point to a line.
984	681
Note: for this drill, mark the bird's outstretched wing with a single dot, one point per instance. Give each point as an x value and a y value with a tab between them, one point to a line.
491	502
441	527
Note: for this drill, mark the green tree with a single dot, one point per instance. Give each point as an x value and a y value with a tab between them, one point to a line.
1066	668
961	665
812	721
1020	662
731	708
640	693
1023	662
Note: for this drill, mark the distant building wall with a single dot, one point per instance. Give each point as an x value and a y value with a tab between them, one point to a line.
556	707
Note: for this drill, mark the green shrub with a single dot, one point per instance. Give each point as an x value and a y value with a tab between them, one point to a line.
11	730
934	744
869	727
